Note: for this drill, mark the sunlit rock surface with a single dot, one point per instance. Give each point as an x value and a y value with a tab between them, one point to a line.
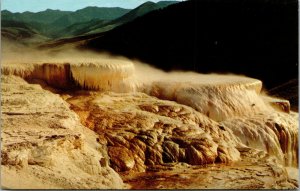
216	96
255	170
276	133
101	74
137	120
44	145
140	130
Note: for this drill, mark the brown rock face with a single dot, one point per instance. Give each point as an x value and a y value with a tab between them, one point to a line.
256	170
44	145
121	158
211	123
142	131
58	76
279	104
275	133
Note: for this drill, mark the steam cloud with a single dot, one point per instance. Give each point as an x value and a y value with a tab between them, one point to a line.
223	98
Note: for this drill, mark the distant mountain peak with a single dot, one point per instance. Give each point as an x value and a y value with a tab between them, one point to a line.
88	7
5	11
168	1
55	23
147	2
52	10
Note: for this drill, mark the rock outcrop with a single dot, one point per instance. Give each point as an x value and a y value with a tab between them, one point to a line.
44	145
98	74
141	131
72	137
275	133
256	170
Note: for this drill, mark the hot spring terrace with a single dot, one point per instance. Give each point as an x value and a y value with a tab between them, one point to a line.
235	102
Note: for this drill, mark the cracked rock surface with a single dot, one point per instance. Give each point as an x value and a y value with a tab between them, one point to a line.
44	145
141	131
93	140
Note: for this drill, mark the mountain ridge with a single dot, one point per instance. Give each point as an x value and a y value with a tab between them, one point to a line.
91	19
213	36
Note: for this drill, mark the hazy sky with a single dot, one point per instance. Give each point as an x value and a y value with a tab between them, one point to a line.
69	5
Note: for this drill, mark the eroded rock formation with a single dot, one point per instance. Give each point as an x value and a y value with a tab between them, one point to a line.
135	125
101	74
140	130
44	145
276	133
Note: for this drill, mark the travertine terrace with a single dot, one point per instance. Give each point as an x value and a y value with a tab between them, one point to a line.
92	123
92	74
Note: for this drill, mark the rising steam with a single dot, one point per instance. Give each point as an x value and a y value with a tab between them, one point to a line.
234	101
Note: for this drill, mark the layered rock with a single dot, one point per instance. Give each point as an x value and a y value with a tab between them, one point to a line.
209	119
256	170
274	132
259	121
141	131
101	74
44	145
218	100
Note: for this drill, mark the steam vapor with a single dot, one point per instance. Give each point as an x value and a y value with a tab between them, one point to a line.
223	98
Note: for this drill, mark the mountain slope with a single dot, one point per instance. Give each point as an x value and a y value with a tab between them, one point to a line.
163	4
102	25
89	13
58	24
254	38
45	17
20	31
50	22
133	14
